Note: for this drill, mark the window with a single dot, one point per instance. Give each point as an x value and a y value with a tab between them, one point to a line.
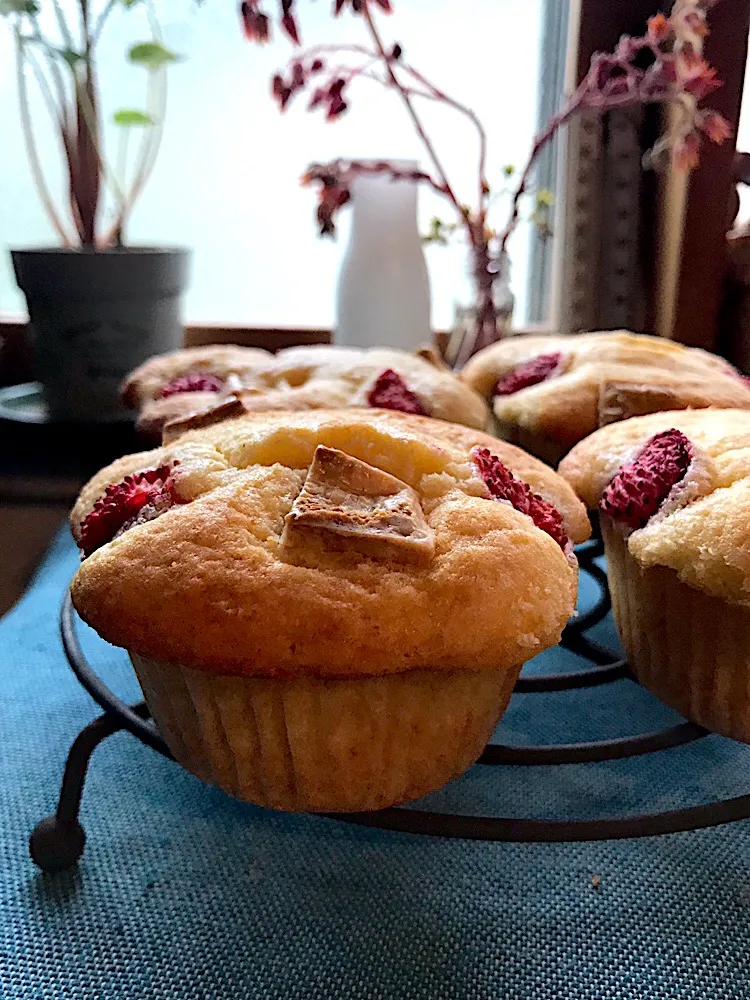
227	179
743	145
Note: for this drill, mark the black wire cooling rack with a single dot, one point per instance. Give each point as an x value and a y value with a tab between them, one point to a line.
58	841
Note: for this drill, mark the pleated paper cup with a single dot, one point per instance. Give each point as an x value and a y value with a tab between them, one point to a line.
688	648
325	745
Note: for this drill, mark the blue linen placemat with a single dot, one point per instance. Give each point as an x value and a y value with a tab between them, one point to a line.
186	894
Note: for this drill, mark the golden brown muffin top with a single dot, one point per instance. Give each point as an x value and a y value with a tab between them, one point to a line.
330	543
147	382
589	380
701	528
303	378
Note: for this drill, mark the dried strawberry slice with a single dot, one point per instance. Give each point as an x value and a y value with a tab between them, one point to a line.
531	372
503	485
390	392
639	489
193	382
139	497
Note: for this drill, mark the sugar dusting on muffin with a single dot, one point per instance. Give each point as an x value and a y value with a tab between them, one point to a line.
503	485
640	487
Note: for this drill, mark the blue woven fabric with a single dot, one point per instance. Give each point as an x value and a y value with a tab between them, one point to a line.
186	894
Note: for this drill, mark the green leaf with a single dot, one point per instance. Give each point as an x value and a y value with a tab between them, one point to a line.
151	55
128	117
30	7
127	4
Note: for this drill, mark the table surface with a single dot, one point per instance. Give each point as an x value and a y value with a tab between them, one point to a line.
186	894
42	468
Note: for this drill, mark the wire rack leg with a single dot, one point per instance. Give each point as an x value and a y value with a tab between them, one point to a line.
58	841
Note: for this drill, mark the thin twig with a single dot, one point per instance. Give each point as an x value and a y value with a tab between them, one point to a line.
63	110
583	99
464	109
322	50
122	155
62	24
431	152
62	125
156	104
432	92
102	20
150	147
44	87
437	96
31	150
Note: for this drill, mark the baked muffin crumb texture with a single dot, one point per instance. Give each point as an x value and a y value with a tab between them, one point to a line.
331	544
701	525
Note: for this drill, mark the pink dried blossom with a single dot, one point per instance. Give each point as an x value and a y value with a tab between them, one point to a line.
716	127
255	23
658	29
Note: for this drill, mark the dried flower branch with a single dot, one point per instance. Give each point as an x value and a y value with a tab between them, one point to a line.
665	66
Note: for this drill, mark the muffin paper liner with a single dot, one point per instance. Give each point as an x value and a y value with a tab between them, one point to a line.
688	648
325	745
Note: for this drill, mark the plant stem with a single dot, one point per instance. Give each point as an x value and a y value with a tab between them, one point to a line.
101	21
156	104
432	92
582	98
46	92
88	113
66	140
555	123
86	188
448	190
122	156
62	24
62	110
149	150
31	150
438	95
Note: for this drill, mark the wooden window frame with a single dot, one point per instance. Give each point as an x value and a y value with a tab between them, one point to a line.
685	220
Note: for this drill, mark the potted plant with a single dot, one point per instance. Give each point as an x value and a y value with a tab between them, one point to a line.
664	66
97	307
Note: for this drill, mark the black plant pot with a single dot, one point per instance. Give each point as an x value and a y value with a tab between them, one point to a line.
94	316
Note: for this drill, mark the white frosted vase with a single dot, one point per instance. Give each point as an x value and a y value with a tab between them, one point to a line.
383	297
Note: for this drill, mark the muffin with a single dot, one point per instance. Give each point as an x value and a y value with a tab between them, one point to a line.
548	393
673	494
328	610
322	377
170	386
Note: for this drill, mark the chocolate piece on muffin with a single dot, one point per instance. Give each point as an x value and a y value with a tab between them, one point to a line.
328	610
548	393
673	495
